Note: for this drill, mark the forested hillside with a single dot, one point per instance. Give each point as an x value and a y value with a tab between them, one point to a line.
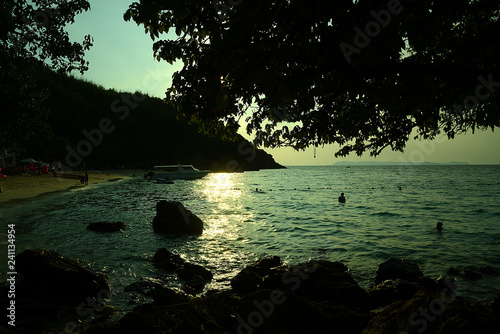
107	129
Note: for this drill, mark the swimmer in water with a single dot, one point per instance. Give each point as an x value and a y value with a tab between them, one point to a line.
342	198
439	226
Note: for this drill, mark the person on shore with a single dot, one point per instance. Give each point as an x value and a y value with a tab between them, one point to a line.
439	226
86	178
342	198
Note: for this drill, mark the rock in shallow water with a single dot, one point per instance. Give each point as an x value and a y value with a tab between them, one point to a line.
251	276
167	260
173	218
190	270
394	268
390	291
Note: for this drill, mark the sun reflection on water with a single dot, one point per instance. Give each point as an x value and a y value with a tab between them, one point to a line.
221	186
224	192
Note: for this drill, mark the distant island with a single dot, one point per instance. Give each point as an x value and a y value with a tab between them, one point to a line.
395	163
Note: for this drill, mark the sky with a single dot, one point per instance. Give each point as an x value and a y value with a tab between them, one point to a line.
122	59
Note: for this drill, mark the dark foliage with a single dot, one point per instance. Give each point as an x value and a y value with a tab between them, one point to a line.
363	74
32	33
141	131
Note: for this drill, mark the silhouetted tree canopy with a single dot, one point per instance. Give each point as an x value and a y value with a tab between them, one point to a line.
32	33
360	73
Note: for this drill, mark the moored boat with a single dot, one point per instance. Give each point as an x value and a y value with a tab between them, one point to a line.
184	172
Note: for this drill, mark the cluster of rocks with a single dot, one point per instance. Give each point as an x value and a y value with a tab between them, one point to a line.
265	297
312	297
194	275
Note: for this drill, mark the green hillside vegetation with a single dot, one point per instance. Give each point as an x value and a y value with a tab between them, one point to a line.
108	129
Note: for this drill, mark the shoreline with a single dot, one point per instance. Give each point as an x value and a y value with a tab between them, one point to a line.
22	188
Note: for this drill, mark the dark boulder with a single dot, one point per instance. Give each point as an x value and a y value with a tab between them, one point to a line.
190	270
471	274
246	280
262	311
51	274
52	287
319	281
262	266
194	285
394	268
277	311
487	270
173	218
432	312
145	286
495	306
165	259
107	226
251	276
390	291
163	296
325	281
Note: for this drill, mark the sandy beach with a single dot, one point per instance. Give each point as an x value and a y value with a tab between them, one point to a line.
27	186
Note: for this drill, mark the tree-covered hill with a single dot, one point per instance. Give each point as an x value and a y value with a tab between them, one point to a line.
106	128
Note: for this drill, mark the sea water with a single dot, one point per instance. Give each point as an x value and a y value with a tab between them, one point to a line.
293	213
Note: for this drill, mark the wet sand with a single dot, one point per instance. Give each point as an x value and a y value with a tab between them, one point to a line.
26	186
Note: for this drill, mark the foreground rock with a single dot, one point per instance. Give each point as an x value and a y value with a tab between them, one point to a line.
432	312
390	291
173	218
252	276
50	287
394	268
195	275
48	273
107	226
167	260
312	297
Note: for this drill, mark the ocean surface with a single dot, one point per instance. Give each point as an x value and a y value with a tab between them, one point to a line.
295	215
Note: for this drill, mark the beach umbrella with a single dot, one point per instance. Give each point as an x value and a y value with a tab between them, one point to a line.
30	160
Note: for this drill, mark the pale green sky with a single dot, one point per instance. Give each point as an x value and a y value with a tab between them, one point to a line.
122	58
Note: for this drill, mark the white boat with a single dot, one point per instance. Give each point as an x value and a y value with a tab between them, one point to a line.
185	172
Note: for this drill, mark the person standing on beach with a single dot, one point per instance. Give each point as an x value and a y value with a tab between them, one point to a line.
86	178
342	198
